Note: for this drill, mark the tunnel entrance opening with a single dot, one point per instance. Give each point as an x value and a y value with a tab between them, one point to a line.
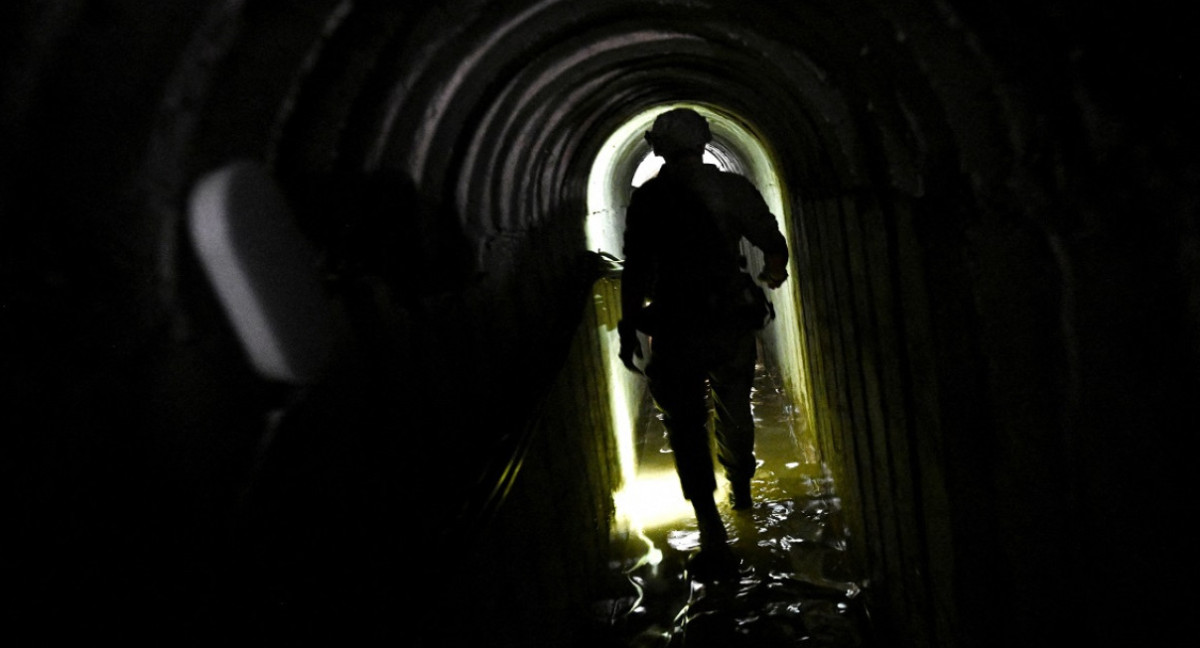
649	496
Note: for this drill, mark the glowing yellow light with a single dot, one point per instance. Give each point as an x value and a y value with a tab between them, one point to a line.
653	500
624	390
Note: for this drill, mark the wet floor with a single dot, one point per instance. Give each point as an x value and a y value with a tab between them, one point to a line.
795	585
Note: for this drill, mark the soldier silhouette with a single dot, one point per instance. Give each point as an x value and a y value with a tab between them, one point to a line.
685	286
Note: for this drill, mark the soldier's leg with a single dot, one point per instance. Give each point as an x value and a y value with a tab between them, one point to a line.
734	425
680	392
681	397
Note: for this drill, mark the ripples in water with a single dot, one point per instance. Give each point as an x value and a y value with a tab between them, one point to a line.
795	585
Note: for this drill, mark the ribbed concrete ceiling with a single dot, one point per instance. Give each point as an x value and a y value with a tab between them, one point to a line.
507	103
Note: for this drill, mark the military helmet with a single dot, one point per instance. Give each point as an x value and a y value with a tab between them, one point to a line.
679	131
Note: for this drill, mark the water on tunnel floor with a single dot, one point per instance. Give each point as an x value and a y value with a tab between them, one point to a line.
794	587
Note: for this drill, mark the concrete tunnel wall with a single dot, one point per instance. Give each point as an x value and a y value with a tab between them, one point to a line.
994	355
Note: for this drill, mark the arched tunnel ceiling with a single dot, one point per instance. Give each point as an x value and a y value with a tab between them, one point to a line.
516	98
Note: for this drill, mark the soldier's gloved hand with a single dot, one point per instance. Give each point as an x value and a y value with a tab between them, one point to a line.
630	345
774	272
773	280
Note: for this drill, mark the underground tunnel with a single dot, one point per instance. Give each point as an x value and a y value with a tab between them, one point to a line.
405	424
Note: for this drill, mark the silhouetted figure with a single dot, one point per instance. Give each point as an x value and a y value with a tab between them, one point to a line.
685	286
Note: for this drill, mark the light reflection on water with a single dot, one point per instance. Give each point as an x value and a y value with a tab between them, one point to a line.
795	585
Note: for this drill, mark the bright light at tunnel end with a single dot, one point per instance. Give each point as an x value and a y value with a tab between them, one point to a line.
607	194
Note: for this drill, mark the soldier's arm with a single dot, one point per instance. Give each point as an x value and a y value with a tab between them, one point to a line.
762	230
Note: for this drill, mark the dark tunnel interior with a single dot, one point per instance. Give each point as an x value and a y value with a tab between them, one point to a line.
993	319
